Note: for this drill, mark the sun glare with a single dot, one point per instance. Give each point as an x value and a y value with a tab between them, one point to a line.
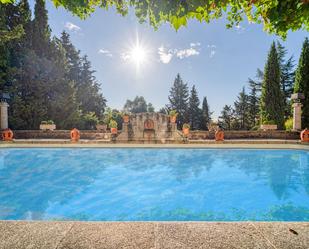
138	55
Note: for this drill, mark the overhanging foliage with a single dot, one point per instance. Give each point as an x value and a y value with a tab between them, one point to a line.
277	16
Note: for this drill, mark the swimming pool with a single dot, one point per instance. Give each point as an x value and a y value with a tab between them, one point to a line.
118	184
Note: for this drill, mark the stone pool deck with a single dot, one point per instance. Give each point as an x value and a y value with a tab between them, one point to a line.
153	235
231	143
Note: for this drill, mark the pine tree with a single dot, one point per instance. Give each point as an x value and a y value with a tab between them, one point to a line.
272	101
88	90
302	81
178	100
206	114
227	117
194	111
287	77
241	106
40	29
73	58
253	104
63	107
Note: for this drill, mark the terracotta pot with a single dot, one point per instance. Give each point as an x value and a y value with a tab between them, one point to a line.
114	131
186	131
219	136
7	135
126	118
173	119
304	135
75	135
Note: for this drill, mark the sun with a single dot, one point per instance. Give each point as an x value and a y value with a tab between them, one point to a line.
138	55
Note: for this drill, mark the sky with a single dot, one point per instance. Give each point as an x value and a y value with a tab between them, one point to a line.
133	59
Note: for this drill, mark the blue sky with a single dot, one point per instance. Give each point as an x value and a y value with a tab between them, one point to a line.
217	60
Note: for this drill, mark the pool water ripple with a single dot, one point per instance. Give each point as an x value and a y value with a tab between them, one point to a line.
154	184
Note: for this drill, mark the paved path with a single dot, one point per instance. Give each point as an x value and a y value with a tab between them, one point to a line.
153	235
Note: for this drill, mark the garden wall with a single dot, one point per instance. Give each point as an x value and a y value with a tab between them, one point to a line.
199	135
194	135
58	134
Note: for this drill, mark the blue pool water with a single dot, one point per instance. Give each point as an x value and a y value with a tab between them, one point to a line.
154	184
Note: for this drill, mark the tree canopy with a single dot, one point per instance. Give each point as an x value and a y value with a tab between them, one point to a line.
278	17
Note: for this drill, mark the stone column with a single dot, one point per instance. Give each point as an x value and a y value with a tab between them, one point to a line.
4	123
297	116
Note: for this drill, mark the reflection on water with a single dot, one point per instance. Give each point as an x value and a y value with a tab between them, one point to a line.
154	184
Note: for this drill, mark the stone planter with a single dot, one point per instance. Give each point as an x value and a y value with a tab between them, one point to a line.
101	127
46	127
266	127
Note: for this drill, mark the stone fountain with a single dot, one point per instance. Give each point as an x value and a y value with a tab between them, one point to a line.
149	128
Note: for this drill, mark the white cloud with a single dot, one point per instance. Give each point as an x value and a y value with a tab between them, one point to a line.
212	49
125	56
185	53
72	27
105	52
212	46
212	53
195	44
165	55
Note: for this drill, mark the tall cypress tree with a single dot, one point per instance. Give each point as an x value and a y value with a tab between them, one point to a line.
271	103
40	29
302	81
194	111
206	114
178	100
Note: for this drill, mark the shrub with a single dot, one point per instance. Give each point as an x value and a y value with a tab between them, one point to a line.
101	122
289	124
269	122
112	124
173	113
255	128
90	120
186	126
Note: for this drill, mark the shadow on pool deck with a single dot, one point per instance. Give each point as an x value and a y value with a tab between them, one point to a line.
150	235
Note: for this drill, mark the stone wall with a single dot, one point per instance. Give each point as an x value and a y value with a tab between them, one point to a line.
199	135
194	135
58	134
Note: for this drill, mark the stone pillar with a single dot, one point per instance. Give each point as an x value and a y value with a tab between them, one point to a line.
4	122
297	116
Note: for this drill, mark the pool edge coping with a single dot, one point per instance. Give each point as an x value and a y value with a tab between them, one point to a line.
75	234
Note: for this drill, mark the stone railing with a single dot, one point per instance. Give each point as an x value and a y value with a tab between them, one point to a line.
273	134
